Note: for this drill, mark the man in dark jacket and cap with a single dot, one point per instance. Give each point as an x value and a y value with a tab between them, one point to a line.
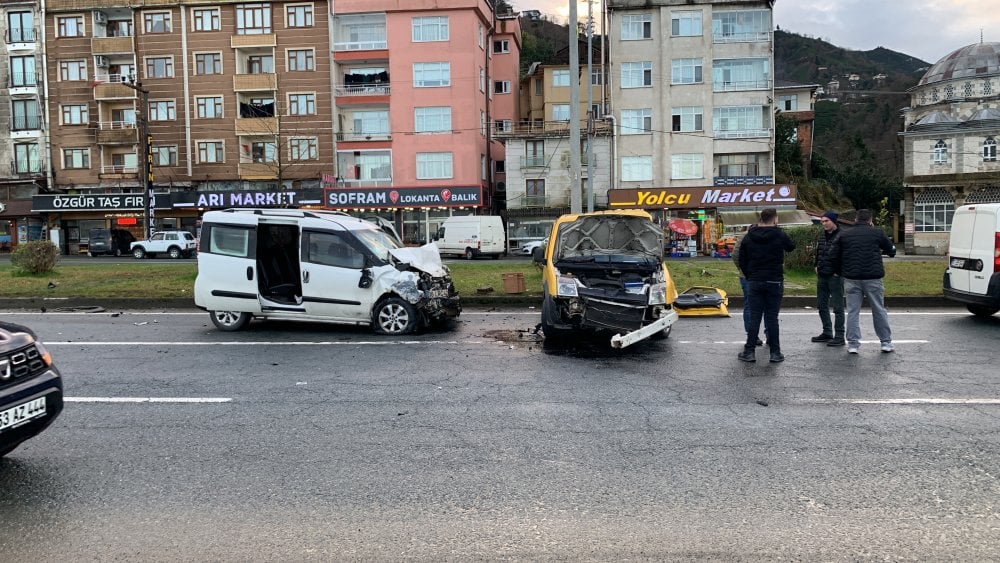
858	254
762	260
829	284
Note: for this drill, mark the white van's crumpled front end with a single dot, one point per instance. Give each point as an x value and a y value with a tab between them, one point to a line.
425	258
428	285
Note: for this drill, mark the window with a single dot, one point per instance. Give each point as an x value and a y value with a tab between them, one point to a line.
686	166
228	241
120	28
22	71
736	122
933	210
260	64
156	22
989	150
940	153
534	192
69	26
303	148
501	46
21	26
432	119
637	168
741	26
209	107
332	249
685	24
788	103
301	104
482	79
430	75
503	125
560	112
375	122
27	116
738	165
263	151
636	121
560	79
481	37
637	75
299	15
208	63
685	71
538	87
301	59
72	70
686	118
430	28
434	165
27	159
165	156
211	151
76	158
636	27
206	19
501	86
257	107
597	76
740	74
482	166
162	110
160	67
253	19
74	114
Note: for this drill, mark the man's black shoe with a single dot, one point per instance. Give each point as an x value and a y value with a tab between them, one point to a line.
822	338
836	341
760	342
777	357
747	356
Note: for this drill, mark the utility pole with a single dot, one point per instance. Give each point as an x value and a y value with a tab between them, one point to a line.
590	106
575	197
146	148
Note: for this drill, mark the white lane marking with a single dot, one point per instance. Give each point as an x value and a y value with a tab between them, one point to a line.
737	313
744	341
147	399
917	401
273	343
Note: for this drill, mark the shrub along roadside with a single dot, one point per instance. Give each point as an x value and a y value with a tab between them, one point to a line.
149	280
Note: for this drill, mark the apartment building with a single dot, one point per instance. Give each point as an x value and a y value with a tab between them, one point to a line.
693	96
162	110
416	86
539	165
23	162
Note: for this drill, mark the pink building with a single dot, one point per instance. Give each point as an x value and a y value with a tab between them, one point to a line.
417	90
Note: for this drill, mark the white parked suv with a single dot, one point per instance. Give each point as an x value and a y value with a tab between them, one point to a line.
175	244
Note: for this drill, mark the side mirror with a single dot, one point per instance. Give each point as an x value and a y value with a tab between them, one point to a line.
538	255
366	279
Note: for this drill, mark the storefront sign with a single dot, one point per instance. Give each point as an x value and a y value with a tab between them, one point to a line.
224	199
86	202
343	198
694	198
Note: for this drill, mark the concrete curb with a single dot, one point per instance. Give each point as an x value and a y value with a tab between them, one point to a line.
500	300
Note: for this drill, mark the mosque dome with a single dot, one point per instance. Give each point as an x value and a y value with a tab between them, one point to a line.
976	60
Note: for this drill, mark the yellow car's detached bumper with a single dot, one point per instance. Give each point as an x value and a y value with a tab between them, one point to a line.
664	322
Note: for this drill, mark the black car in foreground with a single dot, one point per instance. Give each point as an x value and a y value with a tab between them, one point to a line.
31	391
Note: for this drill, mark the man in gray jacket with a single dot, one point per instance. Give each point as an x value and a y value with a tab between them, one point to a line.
857	253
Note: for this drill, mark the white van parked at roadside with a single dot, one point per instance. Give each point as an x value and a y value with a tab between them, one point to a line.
472	236
973	274
324	266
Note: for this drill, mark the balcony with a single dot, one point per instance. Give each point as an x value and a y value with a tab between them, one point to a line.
255	82
117	133
737	85
257	126
359	32
258	170
362	90
25	126
533	161
25	168
112	45
23	84
743	134
119	172
260	40
113	91
18	40
364	183
352	137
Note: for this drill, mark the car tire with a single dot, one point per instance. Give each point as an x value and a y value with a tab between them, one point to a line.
395	316
230	321
118	252
91	254
174	252
7	449
139	253
982	310
469	254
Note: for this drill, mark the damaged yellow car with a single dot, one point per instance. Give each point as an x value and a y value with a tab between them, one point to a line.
604	272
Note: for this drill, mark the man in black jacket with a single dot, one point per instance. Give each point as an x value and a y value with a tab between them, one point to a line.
858	256
762	260
829	284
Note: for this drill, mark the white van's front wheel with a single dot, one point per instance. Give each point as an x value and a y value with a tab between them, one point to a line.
982	310
395	316
230	321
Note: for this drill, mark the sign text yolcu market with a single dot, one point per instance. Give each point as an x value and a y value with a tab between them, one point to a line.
709	197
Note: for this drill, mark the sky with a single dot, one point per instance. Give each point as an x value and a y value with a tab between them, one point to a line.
926	29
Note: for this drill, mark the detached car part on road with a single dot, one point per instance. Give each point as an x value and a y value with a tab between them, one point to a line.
604	271
323	266
31	391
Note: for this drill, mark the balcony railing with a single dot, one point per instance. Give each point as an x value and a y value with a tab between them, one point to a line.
20	79
25	122
111	45
735	85
747	37
362	90
364	183
119	169
743	134
533	161
25	166
361	45
113	91
364	137
23	35
117	133
255	82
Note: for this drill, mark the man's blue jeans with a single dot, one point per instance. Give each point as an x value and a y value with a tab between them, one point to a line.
745	287
765	302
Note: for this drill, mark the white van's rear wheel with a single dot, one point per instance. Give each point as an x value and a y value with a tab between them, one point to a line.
230	321
469	254
982	310
395	316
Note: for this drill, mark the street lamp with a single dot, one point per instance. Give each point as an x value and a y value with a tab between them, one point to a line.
146	148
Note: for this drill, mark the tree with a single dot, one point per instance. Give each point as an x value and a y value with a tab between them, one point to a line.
787	149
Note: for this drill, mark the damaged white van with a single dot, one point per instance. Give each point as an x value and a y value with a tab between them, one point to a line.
321	266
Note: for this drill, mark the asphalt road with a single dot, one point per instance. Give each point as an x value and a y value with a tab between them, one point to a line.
313	443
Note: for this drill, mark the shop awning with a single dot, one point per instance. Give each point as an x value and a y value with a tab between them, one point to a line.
17	208
743	218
